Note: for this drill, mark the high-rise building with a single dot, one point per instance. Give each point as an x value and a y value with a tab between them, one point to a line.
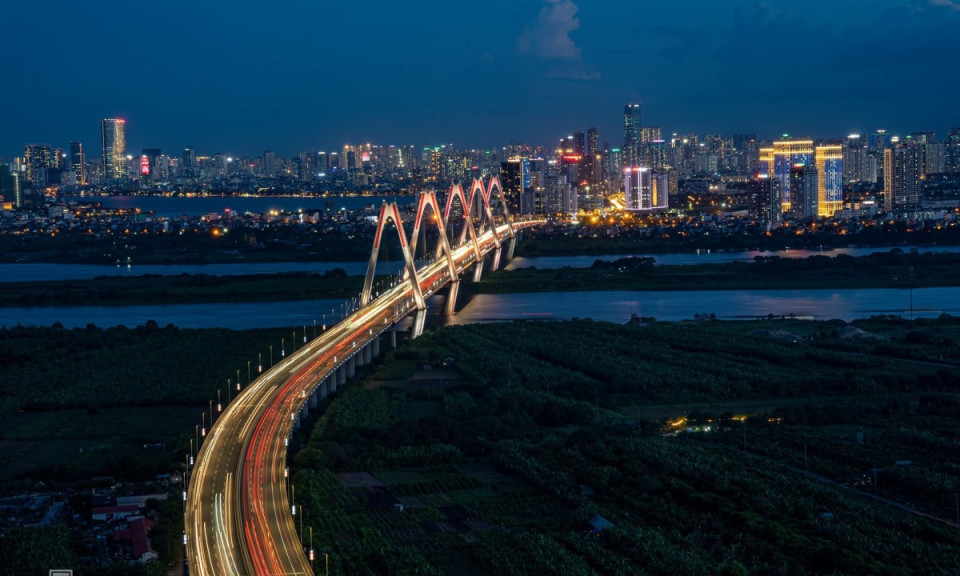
902	167
935	158
514	182
37	158
854	158
764	193
114	142
829	162
78	163
952	159
631	133
803	190
645	190
784	155
10	186
593	141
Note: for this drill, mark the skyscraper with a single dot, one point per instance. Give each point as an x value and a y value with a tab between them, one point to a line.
645	189
515	183
10	186
902	168
952	160
77	163
113	139
631	133
803	190
37	158
784	155
829	159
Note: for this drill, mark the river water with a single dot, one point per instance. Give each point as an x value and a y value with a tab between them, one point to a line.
25	272
611	306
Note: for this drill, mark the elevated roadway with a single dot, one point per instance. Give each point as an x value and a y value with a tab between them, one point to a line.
239	517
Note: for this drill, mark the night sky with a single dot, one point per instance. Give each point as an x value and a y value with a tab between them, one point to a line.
244	77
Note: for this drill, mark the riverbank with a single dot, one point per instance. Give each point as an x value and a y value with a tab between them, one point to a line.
891	270
894	269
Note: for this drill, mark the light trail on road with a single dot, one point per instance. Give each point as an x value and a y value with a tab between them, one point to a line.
239	520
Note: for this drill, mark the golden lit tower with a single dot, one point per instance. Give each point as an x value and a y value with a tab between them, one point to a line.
114	148
830	179
780	159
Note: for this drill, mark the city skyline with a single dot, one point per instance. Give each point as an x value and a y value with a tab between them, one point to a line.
221	78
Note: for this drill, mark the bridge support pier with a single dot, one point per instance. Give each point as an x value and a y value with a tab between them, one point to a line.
393	337
511	247
450	306
419	321
341	378
376	347
314	399
367	353
478	270
496	259
351	366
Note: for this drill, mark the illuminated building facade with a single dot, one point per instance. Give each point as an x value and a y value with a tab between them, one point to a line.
645	190
37	158
114	142
78	163
829	162
780	159
514	183
902	172
632	135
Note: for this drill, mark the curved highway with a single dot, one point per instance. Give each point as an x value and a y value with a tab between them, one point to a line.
239	519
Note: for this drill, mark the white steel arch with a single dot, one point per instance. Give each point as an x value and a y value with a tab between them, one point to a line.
390	212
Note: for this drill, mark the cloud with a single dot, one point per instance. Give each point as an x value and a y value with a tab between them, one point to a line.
952	4
549	37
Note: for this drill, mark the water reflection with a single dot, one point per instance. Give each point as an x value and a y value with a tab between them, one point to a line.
608	306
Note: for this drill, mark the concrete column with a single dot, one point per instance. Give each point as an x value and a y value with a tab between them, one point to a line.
341	377
325	387
376	347
512	246
496	259
419	321
478	270
393	337
367	353
314	398
352	366
450	306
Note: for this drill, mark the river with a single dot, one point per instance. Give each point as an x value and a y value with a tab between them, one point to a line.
26	272
606	306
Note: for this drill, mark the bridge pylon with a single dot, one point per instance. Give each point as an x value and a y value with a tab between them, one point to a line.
390	212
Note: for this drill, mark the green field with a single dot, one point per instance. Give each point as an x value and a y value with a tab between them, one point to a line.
500	469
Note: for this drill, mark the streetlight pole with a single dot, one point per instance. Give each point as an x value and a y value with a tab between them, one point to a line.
219	405
238	377
211	412
259	362
283	352
248	373
203	423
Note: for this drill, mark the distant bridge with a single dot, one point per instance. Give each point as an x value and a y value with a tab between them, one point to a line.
240	511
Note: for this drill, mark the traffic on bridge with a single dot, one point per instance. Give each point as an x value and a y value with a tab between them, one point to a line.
240	510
